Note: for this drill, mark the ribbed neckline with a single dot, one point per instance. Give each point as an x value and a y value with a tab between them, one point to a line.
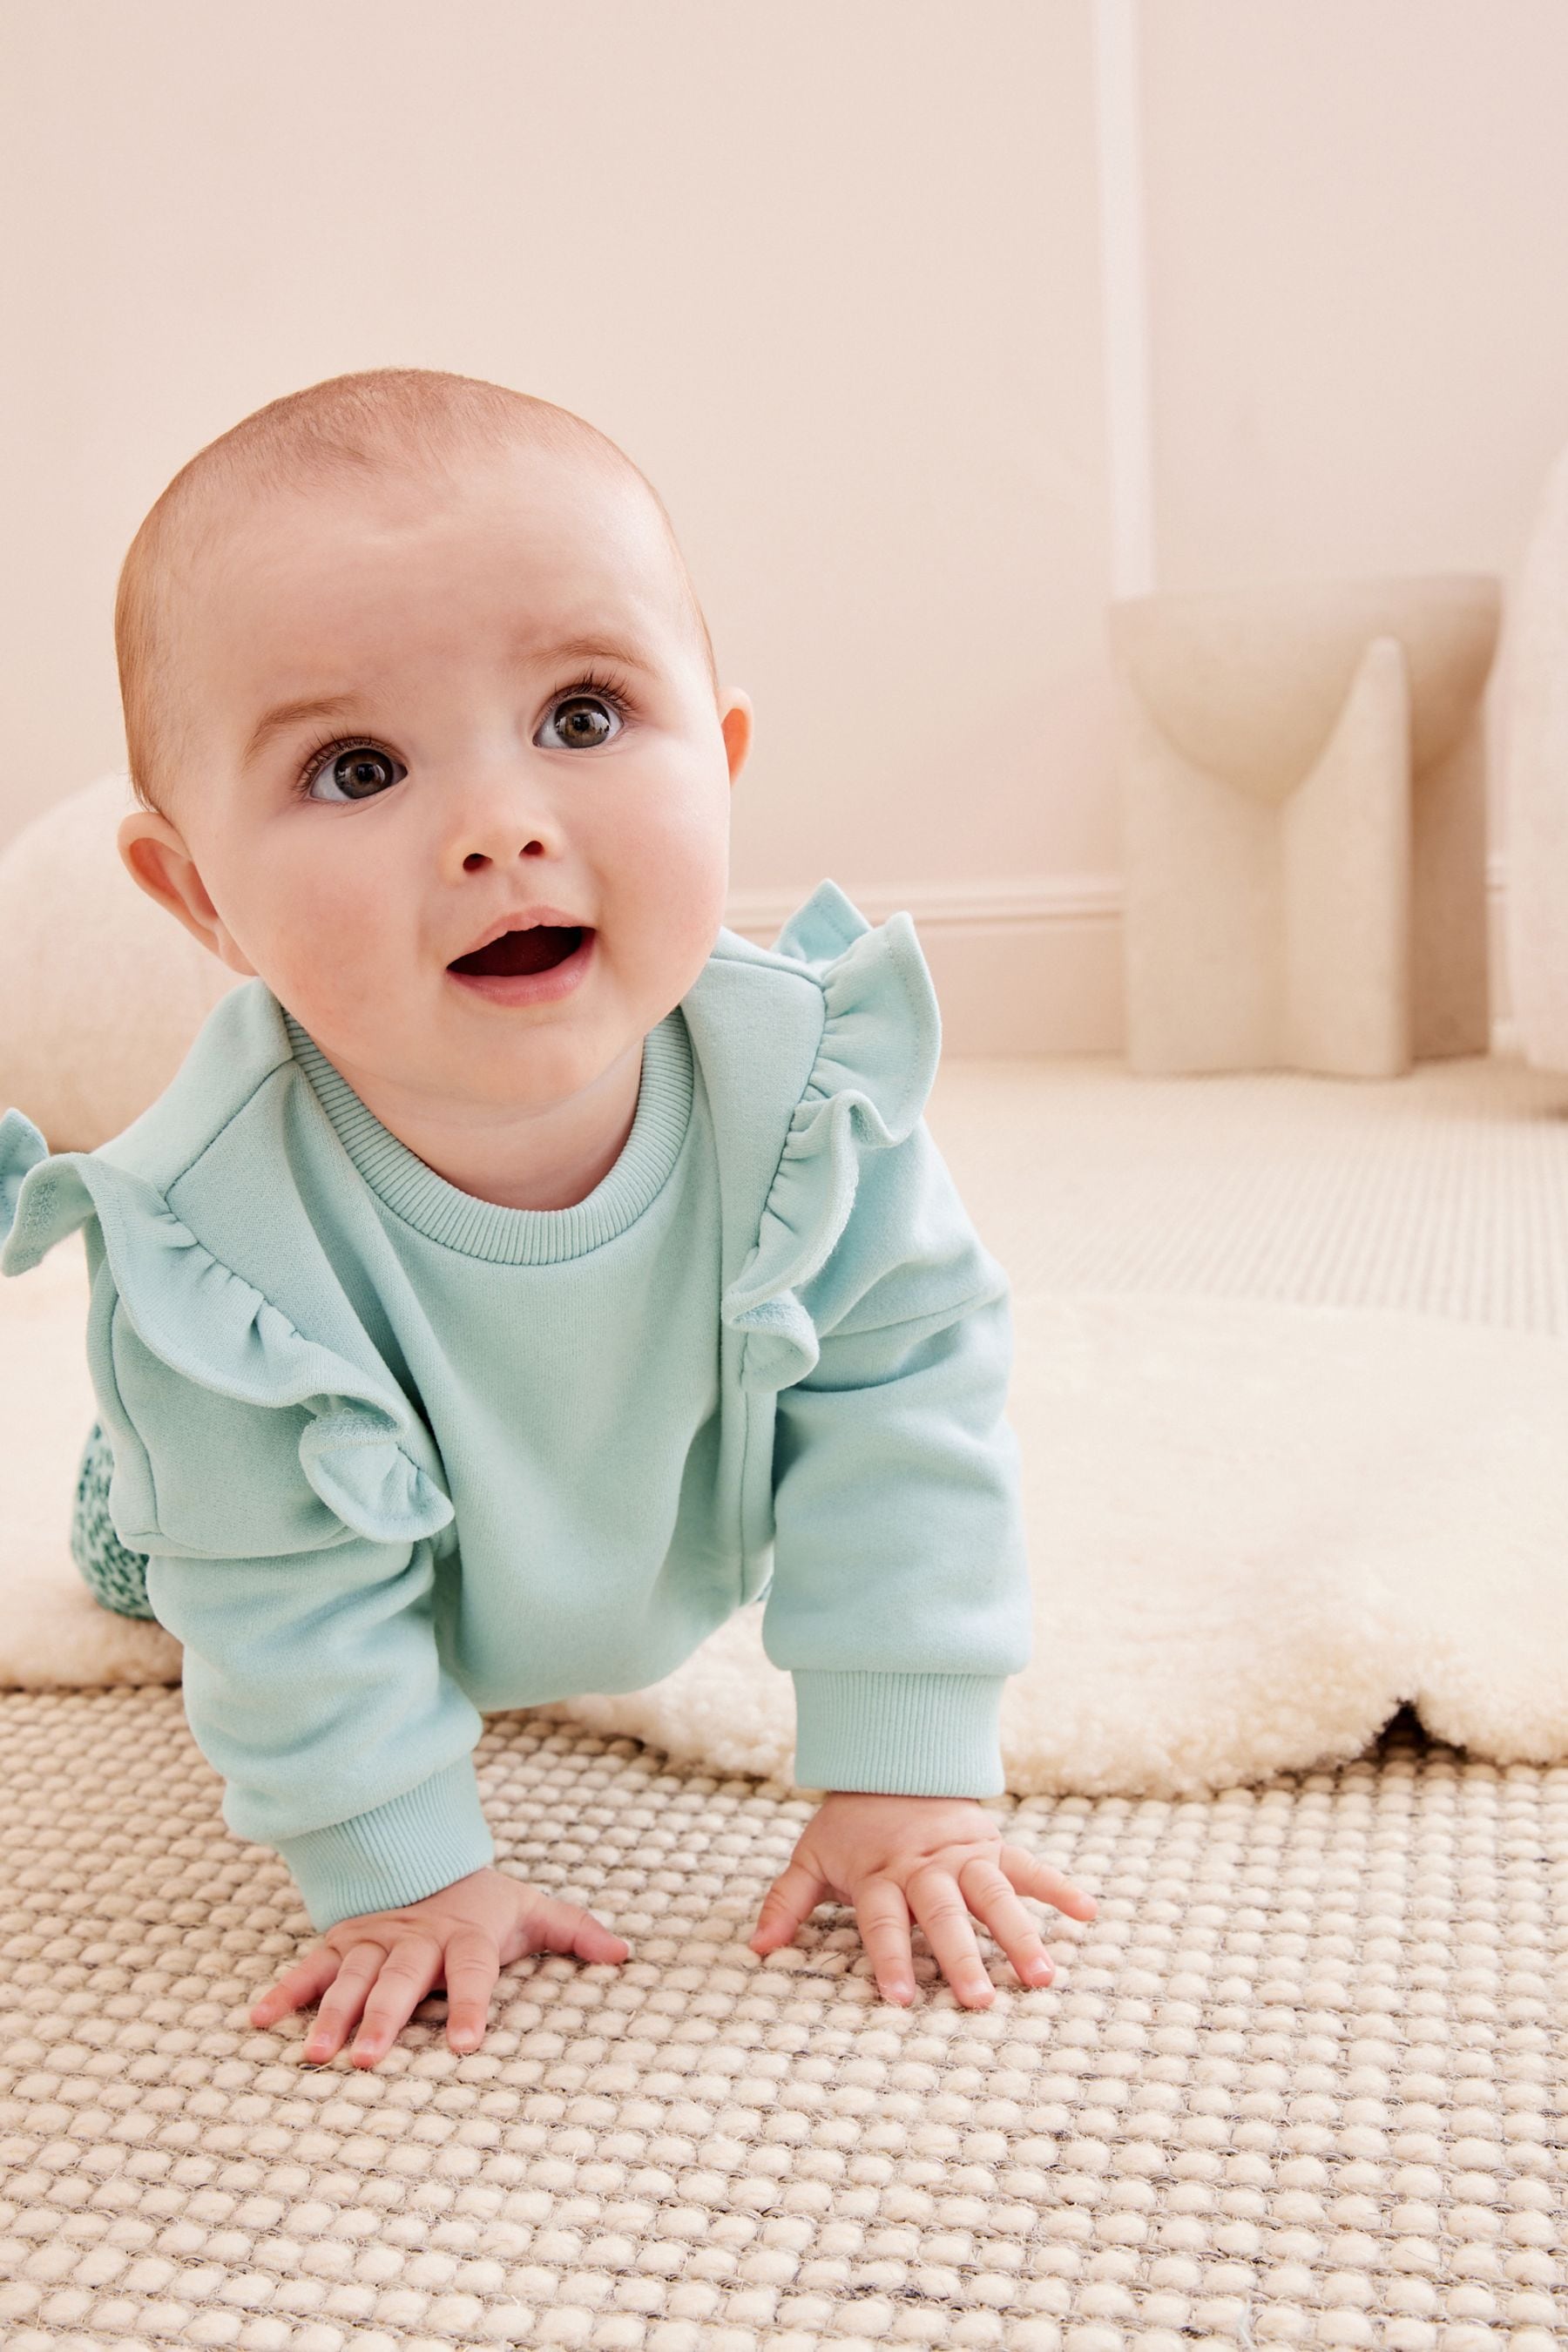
484	1229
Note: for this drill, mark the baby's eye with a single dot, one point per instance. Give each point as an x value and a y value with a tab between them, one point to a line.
581	720
357	770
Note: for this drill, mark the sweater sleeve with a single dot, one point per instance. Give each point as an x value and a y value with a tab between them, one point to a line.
900	1600
313	1678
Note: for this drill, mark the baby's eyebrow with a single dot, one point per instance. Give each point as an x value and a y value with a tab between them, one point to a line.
585	647
590	643
290	714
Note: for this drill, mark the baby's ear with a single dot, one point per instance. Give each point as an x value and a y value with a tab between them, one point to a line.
735	724
154	853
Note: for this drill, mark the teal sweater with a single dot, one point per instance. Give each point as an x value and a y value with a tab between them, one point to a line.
397	1455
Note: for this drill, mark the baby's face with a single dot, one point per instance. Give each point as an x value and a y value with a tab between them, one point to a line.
521	714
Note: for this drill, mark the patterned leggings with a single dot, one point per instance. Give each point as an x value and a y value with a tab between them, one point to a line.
116	1576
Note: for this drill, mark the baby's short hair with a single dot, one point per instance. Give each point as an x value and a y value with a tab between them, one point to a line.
348	427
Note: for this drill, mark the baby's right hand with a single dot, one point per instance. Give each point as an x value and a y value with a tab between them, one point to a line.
461	1936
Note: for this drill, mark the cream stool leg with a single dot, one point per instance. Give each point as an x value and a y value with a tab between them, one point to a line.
1266	802
1345	853
1201	906
1449	948
1535	765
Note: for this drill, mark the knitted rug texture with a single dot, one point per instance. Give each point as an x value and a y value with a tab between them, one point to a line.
1301	2082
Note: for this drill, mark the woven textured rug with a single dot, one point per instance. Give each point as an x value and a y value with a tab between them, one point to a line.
1301	2081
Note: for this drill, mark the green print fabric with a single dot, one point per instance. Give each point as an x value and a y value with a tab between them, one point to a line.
116	1576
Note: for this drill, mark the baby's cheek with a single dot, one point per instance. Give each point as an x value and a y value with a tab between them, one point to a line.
667	906
343	953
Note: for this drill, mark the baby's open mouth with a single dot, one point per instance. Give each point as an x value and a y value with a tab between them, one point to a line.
535	950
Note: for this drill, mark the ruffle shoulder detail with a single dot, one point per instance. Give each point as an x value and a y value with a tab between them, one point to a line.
361	1450
22	1146
876	1061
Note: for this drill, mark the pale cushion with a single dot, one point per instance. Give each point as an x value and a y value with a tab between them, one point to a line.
103	990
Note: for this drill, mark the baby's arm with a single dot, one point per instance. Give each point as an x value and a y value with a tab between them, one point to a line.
315	1684
287	1536
900	1597
307	1678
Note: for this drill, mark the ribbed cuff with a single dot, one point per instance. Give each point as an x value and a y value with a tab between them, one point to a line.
901	1735
411	1846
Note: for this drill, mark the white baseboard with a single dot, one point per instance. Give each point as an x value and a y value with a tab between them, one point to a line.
1029	966
1033	965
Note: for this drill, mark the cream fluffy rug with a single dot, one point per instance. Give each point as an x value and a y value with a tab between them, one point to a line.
1256	1525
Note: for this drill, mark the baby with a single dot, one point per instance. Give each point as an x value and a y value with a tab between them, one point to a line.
522	1272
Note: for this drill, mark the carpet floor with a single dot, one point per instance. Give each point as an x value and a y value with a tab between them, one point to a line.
1299	2083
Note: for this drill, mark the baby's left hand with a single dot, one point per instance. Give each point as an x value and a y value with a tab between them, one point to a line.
938	1858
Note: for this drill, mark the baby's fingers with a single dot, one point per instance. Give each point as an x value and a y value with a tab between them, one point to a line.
1032	1876
884	1921
298	1988
405	1974
938	1903
792	1899
557	1927
472	1965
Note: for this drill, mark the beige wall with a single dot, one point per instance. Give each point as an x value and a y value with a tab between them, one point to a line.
1358	247
1358	240
833	275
